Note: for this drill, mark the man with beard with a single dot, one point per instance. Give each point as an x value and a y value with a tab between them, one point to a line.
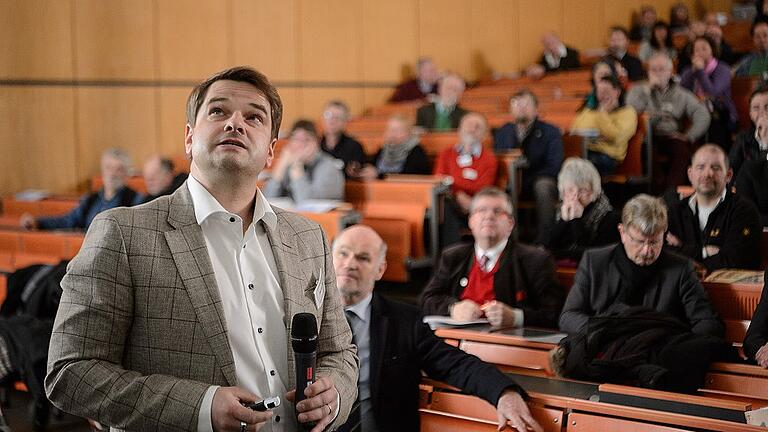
510	283
639	272
714	226
444	113
471	167
542	146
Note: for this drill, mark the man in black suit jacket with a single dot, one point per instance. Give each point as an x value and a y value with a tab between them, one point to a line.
523	289
445	113
394	346
639	272
756	340
618	43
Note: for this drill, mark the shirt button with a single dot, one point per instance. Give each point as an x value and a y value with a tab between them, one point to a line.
231	219
272	372
261	330
277	419
250	286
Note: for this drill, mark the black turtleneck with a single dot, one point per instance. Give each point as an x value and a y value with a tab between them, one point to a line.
634	278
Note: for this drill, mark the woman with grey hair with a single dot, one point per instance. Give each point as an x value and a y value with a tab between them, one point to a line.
586	218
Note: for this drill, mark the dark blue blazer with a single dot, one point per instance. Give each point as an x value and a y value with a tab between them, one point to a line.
543	147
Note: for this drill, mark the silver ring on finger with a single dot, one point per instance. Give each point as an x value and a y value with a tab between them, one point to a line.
330	410
243	426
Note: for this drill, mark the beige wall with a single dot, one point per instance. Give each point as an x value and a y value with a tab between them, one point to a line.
79	76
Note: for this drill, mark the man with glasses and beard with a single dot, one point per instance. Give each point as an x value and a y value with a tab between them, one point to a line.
639	272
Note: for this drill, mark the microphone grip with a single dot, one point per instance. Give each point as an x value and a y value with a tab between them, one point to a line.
305	372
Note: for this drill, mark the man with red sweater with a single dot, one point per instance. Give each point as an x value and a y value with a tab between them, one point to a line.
510	283
472	168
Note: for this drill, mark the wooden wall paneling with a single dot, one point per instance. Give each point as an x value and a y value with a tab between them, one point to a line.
494	35
390	39
330	40
375	96
266	37
115	117
193	38
292	104
38	139
115	39
536	18
36	39
583	24
172	118
619	13
444	34
314	99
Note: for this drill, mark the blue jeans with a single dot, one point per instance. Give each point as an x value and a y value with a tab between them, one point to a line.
605	164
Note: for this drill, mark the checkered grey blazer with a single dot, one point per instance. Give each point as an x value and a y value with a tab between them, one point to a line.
140	333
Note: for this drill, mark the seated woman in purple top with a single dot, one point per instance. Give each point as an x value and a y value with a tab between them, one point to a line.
710	80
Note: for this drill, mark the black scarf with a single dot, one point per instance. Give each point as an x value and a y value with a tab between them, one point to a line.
634	278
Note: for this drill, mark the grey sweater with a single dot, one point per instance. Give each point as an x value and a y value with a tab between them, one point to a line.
323	179
668	110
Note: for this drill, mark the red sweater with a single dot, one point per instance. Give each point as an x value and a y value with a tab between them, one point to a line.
480	284
484	169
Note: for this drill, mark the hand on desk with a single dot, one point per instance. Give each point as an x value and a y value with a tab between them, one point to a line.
762	356
499	314
512	411
320	404
466	310
227	410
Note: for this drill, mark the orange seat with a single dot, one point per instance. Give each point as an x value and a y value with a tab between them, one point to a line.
396	234
10	241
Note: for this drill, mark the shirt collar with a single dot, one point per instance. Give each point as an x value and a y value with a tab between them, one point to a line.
475	151
205	205
692	200
362	309
493	252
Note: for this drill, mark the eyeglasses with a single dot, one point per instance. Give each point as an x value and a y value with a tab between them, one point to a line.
497	211
328	115
653	243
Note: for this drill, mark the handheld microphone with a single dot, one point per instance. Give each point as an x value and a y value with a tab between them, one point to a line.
304	343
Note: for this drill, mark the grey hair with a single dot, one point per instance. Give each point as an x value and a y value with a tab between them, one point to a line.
492	191
646	213
664	56
119	154
579	172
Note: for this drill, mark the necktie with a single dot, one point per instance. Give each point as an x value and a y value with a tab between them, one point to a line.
483	262
351	317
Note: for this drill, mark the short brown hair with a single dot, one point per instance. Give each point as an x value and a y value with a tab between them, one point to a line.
239	74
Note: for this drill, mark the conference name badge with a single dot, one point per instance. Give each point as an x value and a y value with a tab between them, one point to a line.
469	174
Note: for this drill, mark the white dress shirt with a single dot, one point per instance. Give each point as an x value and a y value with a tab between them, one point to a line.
252	299
703	213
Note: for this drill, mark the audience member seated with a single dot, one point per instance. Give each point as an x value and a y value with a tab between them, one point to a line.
471	167
727	54
613	122
555	58
444	113
642	30
586	218
752	185
660	43
159	179
512	284
388	391
756	340
756	62
618	42
669	106
400	154
115	165
334	141
679	18
752	144
714	226
421	87
639	272
697	29
710	80
542	147
303	171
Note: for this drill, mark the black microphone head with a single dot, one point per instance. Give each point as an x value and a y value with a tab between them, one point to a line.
304	333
